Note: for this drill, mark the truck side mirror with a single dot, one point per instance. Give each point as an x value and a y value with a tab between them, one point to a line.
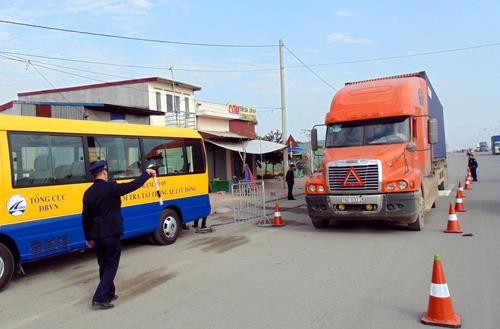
411	147
314	139
433	131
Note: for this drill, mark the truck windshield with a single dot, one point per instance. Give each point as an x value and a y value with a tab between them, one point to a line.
369	132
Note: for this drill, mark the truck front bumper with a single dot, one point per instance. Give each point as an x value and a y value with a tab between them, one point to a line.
392	207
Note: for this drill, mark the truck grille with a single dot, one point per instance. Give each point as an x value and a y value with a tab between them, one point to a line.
368	173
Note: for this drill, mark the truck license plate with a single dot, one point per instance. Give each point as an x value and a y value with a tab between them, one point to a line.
354	199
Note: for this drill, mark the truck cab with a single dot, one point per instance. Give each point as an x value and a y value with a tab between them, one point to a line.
383	159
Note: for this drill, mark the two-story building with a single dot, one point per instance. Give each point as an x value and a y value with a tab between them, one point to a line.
175	99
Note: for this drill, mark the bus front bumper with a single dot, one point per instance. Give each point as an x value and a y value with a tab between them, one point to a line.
392	207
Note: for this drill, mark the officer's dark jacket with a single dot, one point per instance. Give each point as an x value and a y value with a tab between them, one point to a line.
101	215
472	163
290	178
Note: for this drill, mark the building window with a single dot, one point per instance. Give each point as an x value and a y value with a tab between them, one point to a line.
170	106
46	160
158	101
117	116
177	104
122	154
186	106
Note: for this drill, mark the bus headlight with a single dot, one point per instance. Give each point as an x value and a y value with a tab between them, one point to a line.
321	188
390	186
402	185
312	188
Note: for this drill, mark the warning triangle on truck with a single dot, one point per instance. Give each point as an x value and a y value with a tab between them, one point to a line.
352	179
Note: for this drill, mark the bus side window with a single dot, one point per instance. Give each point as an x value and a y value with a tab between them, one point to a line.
195	156
122	154
38	159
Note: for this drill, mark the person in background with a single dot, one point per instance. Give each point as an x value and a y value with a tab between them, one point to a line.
472	166
102	223
290	180
203	223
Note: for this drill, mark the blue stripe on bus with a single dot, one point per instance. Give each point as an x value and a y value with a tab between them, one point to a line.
48	237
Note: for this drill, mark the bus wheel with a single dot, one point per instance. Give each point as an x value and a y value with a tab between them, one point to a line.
6	266
321	223
169	228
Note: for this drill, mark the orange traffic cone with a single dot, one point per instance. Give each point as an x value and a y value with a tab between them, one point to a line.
468	184
440	310
278	221
453	224
461	190
459	204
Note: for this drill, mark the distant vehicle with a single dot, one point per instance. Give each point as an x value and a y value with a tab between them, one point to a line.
483	147
495	144
385	153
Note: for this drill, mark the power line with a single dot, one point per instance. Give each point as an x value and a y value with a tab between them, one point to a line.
311	70
144	66
263	69
426	53
115	36
33	64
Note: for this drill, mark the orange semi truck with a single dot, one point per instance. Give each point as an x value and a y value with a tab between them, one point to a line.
384	156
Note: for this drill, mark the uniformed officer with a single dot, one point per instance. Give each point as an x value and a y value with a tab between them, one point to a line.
290	181
103	225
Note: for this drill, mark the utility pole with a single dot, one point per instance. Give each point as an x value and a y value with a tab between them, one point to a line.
284	129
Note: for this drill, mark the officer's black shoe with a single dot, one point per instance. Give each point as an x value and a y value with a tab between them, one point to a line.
102	306
115	297
203	226
196	226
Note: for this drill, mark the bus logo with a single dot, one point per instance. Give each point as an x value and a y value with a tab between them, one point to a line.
352	179
16	205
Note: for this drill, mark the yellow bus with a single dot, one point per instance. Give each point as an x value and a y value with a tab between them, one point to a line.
44	172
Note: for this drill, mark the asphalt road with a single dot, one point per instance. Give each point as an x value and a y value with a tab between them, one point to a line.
244	276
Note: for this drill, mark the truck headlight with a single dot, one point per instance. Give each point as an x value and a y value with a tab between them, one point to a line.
402	185
390	186
321	188
312	188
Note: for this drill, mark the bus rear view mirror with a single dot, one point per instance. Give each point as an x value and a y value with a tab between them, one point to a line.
314	139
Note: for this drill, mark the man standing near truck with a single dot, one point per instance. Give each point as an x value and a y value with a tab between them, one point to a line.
290	180
472	164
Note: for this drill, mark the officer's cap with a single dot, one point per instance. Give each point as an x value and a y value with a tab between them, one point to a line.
97	166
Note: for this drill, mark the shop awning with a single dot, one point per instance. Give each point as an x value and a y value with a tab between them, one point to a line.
254	146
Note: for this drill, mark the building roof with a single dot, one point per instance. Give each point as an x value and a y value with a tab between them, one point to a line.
221	135
90	106
110	84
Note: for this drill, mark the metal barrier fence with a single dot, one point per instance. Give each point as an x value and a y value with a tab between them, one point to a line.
249	202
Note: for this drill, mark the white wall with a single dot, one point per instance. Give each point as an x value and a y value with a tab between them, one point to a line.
212	124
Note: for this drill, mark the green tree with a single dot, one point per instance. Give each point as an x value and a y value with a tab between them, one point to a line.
272	158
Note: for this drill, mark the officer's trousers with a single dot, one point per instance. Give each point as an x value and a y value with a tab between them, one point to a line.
108	251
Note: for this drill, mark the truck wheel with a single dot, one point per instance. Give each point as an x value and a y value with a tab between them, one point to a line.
6	266
418	225
169	228
321	223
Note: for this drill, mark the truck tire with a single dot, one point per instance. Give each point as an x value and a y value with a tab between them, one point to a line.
169	227
320	223
418	225
7	265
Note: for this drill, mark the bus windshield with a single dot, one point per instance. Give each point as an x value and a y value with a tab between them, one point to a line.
369	132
